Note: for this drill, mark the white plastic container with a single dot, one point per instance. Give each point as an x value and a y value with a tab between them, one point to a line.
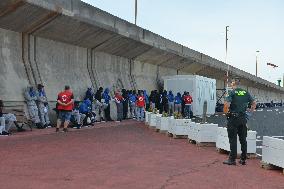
158	121
165	123
203	132
223	141
200	88
153	119
273	151
147	117
180	126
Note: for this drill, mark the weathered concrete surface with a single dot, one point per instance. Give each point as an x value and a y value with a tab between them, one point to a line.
70	41
120	156
13	77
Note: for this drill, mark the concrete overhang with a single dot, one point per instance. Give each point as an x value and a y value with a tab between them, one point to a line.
77	23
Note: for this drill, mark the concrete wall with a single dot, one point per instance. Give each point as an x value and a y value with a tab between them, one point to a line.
13	77
55	64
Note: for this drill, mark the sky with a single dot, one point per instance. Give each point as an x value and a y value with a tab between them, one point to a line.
254	25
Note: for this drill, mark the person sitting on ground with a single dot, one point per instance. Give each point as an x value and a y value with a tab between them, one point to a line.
119	104
65	105
30	97
43	106
9	119
77	116
86	108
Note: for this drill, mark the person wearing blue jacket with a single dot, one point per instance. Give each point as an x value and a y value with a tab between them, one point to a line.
178	101
171	99
106	100
86	108
132	104
147	101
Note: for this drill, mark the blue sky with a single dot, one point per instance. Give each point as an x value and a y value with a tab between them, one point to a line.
200	25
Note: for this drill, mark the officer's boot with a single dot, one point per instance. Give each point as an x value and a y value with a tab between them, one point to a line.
230	162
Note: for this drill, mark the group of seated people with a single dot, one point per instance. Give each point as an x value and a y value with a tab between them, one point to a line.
95	107
6	121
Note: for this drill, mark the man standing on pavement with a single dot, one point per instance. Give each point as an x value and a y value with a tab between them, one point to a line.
238	102
65	106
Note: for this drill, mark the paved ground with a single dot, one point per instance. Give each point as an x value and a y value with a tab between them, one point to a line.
120	156
266	121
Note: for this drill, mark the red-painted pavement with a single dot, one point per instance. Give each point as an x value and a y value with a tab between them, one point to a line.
124	155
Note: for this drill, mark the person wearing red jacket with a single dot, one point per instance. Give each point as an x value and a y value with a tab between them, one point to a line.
187	104
65	105
140	104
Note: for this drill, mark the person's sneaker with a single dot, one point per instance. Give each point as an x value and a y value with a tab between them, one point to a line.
229	162
242	162
117	121
65	130
57	130
4	133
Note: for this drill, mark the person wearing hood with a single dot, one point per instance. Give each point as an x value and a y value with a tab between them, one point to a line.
152	99
178	101
86	109
106	100
132	102
89	94
165	101
30	97
99	104
119	104
147	101
171	99
125	103
42	106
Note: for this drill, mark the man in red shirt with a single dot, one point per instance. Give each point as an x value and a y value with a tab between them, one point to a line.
140	103
65	102
187	105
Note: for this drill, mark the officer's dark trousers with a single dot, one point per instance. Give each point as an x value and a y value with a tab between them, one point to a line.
237	126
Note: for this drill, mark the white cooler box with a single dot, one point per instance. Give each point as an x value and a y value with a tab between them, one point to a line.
223	141
273	151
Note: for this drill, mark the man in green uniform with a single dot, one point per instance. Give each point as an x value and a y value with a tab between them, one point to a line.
238	101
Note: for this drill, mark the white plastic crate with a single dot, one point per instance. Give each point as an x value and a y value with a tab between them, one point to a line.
273	151
222	141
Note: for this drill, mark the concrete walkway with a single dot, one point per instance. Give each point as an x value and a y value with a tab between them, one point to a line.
124	155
